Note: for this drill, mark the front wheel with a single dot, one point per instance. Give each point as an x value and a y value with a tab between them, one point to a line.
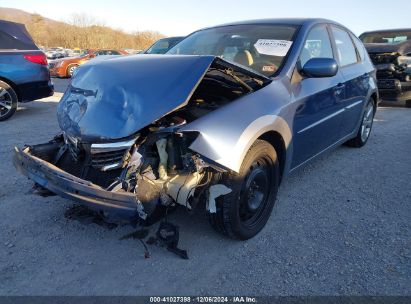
243	212
71	69
8	101
366	125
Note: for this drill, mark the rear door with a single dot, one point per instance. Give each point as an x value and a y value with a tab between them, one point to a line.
355	79
317	101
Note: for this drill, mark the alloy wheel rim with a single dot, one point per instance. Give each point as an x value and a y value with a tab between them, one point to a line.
6	102
367	122
71	70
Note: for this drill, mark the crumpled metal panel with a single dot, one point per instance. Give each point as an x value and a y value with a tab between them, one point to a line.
401	48
114	98
226	134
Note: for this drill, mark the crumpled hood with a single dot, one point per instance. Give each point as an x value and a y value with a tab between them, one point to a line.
402	47
114	98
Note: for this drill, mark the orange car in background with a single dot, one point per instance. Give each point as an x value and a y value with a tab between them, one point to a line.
65	67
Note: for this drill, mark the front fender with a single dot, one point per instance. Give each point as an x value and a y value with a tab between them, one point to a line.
226	135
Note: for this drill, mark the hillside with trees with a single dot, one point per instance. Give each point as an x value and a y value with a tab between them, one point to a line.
80	31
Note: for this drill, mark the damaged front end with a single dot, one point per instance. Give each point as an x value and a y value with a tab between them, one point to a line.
393	64
122	148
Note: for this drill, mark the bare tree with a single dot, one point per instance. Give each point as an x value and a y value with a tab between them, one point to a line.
86	32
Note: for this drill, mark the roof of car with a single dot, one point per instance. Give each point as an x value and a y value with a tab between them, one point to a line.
291	21
388	31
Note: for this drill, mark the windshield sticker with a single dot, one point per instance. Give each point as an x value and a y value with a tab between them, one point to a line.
273	47
269	68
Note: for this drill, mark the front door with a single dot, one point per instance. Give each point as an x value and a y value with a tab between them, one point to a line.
317	102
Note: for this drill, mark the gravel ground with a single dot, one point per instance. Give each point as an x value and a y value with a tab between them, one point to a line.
341	226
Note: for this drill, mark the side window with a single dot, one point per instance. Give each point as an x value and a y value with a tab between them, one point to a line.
316	45
345	48
8	42
359	46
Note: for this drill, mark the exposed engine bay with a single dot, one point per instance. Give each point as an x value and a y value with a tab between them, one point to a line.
393	64
155	164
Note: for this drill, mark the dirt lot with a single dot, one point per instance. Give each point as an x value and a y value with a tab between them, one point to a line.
341	226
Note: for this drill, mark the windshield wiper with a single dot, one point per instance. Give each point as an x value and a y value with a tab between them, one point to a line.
231	73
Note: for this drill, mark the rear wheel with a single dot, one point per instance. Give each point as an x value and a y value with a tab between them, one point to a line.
244	212
8	101
366	125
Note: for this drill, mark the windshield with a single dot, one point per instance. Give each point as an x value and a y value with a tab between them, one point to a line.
261	48
162	45
386	37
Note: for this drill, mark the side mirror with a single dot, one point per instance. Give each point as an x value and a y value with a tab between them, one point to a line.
320	67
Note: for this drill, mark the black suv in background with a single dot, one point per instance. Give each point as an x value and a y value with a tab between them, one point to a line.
390	51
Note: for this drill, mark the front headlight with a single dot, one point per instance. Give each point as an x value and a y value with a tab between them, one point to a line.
404	60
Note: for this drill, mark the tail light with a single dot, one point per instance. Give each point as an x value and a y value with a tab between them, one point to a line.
37	58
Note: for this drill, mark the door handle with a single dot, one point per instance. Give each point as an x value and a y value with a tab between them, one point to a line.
339	88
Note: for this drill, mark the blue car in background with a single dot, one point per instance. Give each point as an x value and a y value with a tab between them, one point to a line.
218	121
24	75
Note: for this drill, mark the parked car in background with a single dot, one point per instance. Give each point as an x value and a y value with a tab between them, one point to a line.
52	54
65	67
163	45
55	53
133	51
24	75
218	121
390	51
75	52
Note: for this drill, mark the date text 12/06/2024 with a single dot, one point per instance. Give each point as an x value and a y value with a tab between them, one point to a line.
235	299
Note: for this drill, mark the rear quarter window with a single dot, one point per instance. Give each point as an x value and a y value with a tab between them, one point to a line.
8	42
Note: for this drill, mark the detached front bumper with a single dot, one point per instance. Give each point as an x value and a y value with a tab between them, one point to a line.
74	188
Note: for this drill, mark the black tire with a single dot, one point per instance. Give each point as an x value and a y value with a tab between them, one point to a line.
261	169
70	70
360	139
408	103
8	101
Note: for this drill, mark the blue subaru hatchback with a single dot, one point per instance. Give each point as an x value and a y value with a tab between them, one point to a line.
221	119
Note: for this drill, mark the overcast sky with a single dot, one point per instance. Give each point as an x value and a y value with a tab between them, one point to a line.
174	17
